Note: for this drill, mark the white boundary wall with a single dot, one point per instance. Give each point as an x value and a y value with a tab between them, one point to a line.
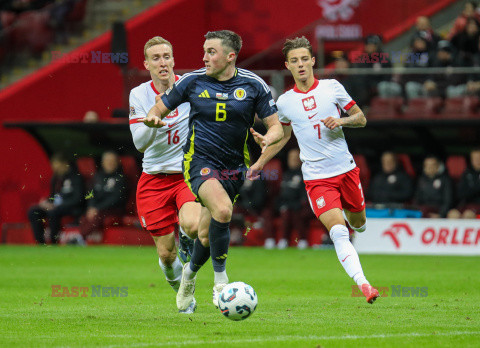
419	236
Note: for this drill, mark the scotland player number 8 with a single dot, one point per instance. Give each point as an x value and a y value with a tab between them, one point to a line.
221	113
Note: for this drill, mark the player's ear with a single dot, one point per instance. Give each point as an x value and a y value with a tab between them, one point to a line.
286	65
313	61
231	56
145	64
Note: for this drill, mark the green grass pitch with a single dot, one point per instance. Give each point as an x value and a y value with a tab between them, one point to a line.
305	300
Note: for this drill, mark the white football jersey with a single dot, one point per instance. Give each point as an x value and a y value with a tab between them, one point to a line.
324	152
165	154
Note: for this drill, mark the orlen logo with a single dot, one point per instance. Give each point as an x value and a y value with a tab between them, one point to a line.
442	235
334	10
396	229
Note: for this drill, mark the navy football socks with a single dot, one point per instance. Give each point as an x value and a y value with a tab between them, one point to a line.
219	235
200	255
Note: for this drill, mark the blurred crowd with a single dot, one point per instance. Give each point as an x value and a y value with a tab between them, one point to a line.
29	27
434	192
427	49
83	201
278	204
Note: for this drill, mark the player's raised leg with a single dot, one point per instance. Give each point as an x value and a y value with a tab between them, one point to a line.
346	253
217	200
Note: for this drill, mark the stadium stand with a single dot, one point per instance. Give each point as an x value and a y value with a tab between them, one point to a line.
420	108
385	108
461	107
390	109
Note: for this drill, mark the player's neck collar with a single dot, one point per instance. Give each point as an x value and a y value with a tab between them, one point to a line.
155	89
235	73
315	84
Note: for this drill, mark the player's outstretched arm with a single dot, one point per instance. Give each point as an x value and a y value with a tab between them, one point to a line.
355	119
142	136
269	152
156	114
274	131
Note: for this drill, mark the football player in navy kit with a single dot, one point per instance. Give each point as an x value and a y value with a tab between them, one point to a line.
224	100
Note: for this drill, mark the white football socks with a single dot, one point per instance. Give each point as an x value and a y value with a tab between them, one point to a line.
346	253
173	273
221	277
189	274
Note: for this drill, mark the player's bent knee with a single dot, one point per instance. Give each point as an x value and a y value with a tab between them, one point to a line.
167	256
338	232
190	227
359	222
204	240
223	214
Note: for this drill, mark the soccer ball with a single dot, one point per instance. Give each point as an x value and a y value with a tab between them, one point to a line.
237	301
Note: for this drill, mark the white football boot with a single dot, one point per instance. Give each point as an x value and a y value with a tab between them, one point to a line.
217	289
185	291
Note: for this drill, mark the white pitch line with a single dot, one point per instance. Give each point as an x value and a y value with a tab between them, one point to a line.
295	338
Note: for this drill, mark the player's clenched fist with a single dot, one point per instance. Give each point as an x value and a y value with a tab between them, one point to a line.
332	122
153	122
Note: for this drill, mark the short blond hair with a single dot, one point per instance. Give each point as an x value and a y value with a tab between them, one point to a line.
157	40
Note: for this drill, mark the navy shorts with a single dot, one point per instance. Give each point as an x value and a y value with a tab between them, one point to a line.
197	171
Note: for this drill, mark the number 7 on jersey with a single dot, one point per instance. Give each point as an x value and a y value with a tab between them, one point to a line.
317	127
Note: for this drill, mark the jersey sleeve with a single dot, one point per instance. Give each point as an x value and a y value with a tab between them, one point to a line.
178	94
284	120
265	105
136	109
142	135
342	97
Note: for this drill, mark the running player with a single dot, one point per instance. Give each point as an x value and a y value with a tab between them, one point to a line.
223	102
312	110
163	198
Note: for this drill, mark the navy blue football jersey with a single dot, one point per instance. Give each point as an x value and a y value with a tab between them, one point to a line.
221	114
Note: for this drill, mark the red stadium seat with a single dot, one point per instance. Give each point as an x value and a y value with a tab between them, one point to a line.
385	108
364	171
461	107
456	165
421	108
87	168
404	160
